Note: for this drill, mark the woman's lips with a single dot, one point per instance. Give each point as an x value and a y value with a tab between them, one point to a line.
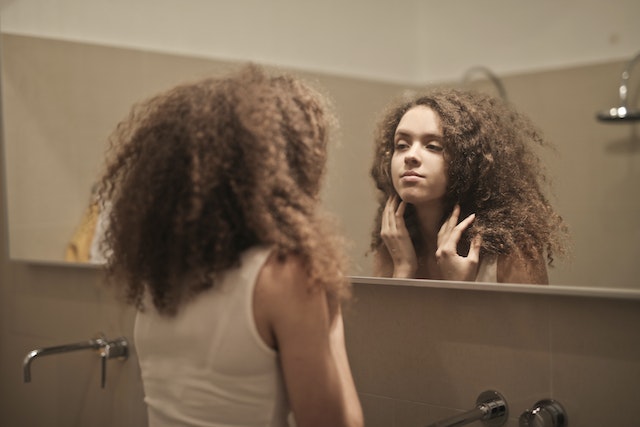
411	176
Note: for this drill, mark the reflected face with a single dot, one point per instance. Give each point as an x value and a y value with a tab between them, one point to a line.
418	166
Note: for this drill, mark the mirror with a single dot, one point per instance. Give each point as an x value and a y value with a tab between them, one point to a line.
70	72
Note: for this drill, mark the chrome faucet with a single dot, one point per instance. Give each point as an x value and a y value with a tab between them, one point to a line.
545	413
118	348
491	408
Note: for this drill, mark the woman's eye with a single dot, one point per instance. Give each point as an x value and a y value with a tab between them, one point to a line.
401	145
434	147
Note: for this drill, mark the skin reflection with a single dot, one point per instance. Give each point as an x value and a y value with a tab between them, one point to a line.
462	192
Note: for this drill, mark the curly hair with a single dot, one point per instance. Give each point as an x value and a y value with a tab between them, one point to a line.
206	170
493	171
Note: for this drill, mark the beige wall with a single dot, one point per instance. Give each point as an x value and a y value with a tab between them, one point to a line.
417	354
416	41
422	354
595	169
46	306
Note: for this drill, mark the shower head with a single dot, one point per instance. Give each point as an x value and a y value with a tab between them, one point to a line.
622	113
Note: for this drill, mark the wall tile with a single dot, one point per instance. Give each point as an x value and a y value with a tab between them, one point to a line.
596	360
444	347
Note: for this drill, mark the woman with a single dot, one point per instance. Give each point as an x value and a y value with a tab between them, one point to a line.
215	236
462	192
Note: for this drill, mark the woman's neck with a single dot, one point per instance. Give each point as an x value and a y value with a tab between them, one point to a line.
429	217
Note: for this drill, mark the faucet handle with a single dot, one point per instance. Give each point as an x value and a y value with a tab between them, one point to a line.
103	367
545	413
117	348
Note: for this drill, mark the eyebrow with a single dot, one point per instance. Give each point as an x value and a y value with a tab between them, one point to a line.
430	136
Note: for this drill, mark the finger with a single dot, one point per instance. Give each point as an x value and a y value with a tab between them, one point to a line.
455	214
474	249
449	223
396	202
388	205
465	223
456	232
390	201
452	221
400	213
389	211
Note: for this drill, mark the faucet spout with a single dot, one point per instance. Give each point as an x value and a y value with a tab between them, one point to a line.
94	344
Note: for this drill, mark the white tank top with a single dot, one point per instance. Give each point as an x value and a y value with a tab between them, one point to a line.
208	366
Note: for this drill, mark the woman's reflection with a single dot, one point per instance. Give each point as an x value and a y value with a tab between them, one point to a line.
462	192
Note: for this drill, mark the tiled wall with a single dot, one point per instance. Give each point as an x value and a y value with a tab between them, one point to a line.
420	354
53	305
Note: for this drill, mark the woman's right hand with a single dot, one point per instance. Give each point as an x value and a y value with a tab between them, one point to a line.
396	238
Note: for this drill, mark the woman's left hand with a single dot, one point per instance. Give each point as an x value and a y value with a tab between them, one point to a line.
397	239
454	266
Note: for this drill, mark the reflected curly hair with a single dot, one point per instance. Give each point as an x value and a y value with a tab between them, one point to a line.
206	170
493	171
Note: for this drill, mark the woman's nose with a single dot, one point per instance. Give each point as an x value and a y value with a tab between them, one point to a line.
411	156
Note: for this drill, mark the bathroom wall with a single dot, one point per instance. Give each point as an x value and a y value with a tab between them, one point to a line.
52	305
594	168
422	354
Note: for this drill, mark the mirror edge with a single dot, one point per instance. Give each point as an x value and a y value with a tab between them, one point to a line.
574	291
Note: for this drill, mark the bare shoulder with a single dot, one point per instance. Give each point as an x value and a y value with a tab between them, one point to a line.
283	296
517	268
282	276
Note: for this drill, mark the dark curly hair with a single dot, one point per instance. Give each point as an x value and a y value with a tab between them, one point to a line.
206	170
493	171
